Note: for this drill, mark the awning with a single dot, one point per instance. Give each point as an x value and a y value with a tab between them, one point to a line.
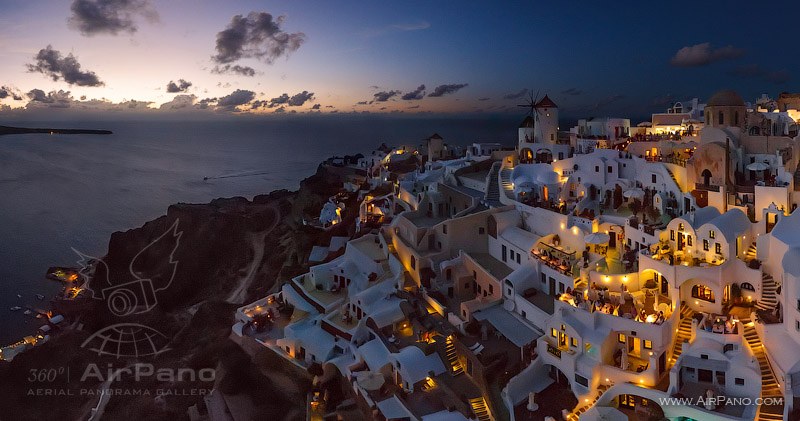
515	330
697	362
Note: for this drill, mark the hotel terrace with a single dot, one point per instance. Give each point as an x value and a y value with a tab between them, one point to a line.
585	274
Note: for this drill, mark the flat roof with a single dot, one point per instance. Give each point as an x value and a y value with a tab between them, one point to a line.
495	267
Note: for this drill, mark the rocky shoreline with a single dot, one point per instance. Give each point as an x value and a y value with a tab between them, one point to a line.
230	252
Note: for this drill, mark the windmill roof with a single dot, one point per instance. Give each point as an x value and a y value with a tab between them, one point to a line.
546	102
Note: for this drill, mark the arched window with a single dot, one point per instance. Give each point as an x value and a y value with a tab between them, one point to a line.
702	292
721	119
735	118
748	286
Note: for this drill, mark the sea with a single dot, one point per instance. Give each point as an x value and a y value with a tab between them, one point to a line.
65	192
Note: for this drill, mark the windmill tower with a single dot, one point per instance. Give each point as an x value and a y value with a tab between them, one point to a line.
526	128
546	129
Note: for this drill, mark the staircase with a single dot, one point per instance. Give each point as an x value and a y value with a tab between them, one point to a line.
452	357
492	197
750	254
769	385
684	332
673	178
505	180
769	298
579	410
580	286
480	409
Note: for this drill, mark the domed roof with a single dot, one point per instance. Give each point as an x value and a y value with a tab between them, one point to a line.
725	98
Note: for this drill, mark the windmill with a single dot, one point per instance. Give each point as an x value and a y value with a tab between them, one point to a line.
533	98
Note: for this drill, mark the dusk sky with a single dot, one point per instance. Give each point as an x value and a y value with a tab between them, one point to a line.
593	59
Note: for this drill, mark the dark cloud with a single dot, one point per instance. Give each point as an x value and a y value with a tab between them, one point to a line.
181	86
443	90
361	103
53	99
50	62
755	71
234	69
279	100
329	106
413	107
93	17
384	96
703	54
300	98
257	35
418	93
572	91
8	91
484	99
235	99
315	107
516	95
280	110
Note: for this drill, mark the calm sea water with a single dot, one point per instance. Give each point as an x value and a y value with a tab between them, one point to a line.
72	191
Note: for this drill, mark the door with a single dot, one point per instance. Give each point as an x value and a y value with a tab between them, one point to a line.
664	285
552	286
612	239
504	252
681	240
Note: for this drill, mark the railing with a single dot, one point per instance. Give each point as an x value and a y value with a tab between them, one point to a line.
554	351
706	187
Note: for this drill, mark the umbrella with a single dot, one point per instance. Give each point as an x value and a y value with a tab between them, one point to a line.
636	193
597	238
757	166
370	380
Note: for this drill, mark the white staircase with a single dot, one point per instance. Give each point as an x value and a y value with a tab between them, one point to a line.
769	297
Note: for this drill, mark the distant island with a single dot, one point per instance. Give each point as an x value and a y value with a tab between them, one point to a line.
26	130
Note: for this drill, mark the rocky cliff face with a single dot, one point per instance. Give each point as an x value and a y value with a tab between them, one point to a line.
203	261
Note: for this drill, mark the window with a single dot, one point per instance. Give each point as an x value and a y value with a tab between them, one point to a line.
574	342
739	381
680	226
703	356
596	168
481	230
553	332
653	178
689	240
797	325
491	289
518	260
610	169
672	235
648	344
444	229
703	292
561	155
705	244
721	118
583	381
544	278
712	234
718	248
621	338
413	262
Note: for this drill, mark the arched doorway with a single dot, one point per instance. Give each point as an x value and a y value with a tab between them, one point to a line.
526	156
544	156
706	174
557	375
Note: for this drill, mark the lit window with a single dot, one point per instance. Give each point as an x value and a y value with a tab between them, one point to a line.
712	234
575	342
680	226
621	338
718	248
553	332
648	344
672	235
705	244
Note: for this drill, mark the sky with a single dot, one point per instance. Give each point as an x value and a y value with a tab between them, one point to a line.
235	57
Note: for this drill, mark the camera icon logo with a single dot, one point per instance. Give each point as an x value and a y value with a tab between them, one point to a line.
135	297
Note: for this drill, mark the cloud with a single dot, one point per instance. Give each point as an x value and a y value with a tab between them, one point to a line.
572	91
416	94
397	27
279	100
300	98
384	96
361	103
93	17
516	95
8	91
280	110
484	99
755	71
443	90
50	62
413	107
234	69
180	102
181	86
236	98
52	99
258	35
703	54
315	107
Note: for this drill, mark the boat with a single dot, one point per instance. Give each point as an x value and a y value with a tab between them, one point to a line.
19	296
40	297
27	312
15	308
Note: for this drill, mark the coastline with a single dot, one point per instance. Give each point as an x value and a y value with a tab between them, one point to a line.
7	130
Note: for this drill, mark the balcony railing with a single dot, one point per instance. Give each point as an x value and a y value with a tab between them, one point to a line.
706	187
554	351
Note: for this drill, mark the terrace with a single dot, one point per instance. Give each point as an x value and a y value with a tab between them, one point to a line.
560	258
663	252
